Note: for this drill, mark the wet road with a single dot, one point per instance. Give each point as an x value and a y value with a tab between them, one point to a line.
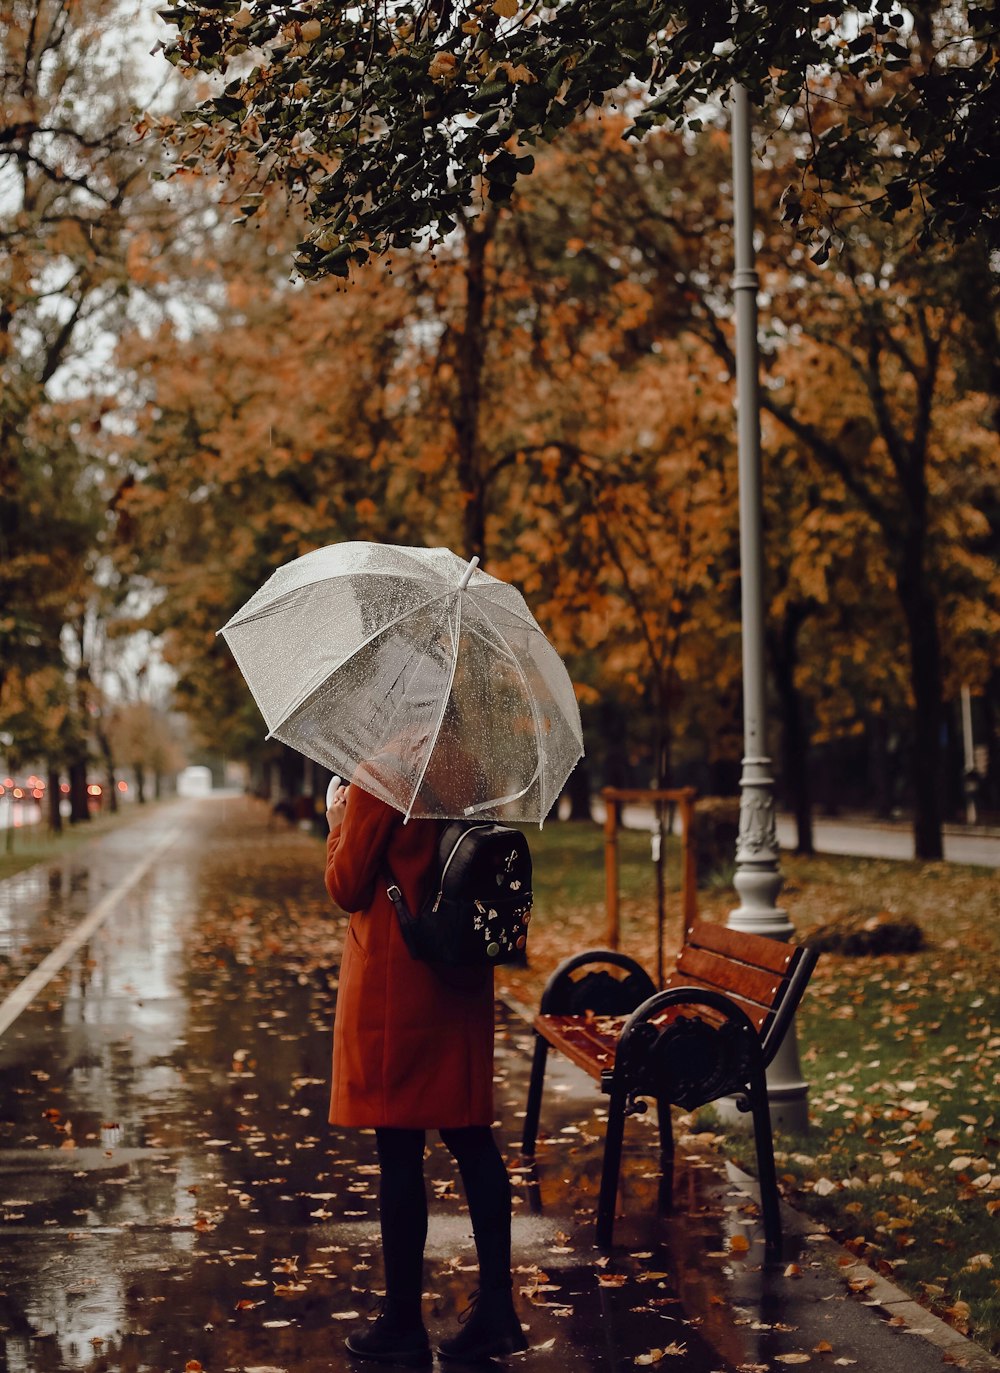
171	1196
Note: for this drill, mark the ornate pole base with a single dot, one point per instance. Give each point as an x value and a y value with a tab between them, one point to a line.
758	877
758	882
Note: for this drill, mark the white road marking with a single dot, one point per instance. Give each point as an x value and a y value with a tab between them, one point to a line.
26	991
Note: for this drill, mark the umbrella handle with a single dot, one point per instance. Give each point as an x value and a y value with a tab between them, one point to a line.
334	784
474	563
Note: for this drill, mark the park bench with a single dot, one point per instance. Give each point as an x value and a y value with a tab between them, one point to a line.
711	1032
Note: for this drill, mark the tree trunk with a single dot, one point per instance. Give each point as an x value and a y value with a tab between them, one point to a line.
614	731
794	726
877	729
79	804
140	783
110	781
795	743
990	792
55	796
920	610
578	791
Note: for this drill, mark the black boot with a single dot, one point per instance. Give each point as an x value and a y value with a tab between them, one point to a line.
396	1336
492	1329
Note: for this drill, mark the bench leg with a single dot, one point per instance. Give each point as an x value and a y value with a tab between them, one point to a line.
612	1166
534	1106
665	1126
766	1173
532	1189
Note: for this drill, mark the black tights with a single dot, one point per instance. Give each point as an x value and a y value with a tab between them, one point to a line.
403	1208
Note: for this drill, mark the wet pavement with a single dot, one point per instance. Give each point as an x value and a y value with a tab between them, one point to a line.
171	1196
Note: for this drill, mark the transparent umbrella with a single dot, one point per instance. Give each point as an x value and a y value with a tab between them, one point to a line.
415	674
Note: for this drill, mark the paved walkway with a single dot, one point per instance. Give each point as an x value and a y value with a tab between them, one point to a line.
171	1196
864	838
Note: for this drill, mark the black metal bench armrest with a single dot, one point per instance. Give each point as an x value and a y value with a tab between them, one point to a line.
685	996
687	1061
789	1004
560	978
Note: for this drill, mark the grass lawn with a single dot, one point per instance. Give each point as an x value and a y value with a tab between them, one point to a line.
37	844
902	1052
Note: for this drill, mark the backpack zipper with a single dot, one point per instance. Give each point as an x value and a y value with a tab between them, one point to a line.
455	847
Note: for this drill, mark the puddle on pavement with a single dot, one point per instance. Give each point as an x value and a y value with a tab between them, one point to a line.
170	1190
40	906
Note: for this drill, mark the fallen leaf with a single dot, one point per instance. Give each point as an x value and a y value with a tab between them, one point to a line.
791	1358
656	1355
958	1316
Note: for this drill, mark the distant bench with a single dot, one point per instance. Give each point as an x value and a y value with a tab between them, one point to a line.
710	1033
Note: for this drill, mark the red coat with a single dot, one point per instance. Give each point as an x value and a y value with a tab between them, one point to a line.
409	1049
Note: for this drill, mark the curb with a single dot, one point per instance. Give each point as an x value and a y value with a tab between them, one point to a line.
899	1308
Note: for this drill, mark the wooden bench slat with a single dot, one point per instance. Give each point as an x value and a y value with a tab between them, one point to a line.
759	1016
581	1045
752	984
754	949
593	1045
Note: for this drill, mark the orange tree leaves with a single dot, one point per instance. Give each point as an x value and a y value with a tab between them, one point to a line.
553	386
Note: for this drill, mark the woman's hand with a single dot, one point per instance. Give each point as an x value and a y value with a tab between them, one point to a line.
337	809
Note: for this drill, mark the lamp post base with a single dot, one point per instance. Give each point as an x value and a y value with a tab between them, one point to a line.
758	884
787	1097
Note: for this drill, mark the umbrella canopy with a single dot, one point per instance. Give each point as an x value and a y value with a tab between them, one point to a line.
415	674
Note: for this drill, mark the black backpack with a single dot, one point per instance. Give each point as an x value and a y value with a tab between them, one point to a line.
479	906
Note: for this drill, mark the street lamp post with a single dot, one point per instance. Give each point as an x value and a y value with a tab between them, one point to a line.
758	878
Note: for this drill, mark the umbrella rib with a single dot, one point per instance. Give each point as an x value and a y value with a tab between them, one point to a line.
484	589
534	716
310	692
280	601
440	720
505	800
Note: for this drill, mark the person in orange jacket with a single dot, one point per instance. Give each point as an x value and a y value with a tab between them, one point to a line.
413	1051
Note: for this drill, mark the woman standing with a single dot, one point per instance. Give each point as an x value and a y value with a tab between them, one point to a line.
412	1052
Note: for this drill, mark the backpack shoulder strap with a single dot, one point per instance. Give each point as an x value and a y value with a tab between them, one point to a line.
407	920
